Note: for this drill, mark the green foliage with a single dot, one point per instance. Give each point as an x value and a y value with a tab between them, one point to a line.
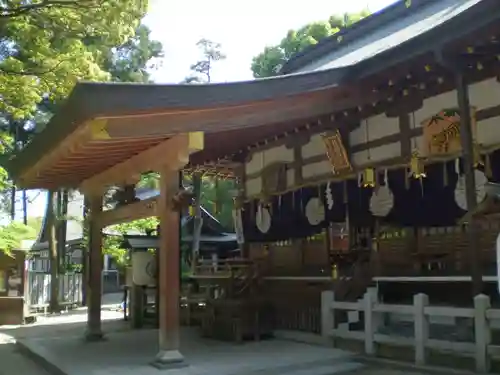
113	244
219	195
201	70
271	60
46	46
12	234
47	50
130	61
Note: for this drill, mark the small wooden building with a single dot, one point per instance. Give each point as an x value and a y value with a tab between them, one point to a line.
13	309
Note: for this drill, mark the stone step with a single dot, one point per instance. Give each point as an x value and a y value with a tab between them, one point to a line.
330	366
333	369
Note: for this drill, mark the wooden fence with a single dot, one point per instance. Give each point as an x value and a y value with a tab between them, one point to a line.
38	289
480	348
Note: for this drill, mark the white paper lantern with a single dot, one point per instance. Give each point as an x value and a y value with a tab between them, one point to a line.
382	199
263	219
143	268
315	211
460	196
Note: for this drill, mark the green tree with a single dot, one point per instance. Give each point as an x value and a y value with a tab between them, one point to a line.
113	244
132	61
270	61
46	46
202	69
217	197
12	234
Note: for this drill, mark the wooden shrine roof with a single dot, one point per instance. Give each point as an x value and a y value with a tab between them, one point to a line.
103	124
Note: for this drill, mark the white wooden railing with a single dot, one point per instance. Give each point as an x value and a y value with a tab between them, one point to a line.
482	314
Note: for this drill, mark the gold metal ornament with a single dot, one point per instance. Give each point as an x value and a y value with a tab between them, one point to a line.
417	167
369	178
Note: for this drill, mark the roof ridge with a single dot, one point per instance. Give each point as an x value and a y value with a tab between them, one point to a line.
373	21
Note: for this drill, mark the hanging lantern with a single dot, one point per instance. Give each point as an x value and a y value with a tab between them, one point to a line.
417	168
191	211
368	178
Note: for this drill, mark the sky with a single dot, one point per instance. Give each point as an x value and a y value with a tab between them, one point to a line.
243	28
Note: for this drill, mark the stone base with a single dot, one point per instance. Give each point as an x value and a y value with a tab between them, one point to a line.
94	336
168	360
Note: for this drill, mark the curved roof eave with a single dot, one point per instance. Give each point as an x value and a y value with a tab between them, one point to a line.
89	100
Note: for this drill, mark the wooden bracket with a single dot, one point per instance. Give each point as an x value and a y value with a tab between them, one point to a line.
171	154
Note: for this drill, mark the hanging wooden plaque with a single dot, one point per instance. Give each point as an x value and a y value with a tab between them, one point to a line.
336	153
441	132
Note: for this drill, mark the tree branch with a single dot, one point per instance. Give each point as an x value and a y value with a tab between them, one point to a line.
16	11
32	72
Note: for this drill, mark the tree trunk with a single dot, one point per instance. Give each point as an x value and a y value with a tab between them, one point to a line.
54	266
25	208
13	202
62	223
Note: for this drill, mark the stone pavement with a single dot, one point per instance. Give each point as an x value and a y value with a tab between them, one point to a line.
130	352
12	362
56	343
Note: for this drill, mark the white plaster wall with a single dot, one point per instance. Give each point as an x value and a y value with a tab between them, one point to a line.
253	186
482	95
488	132
261	159
316	169
377	154
290	177
314	147
374	128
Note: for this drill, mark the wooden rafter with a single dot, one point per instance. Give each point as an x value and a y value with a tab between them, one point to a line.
172	153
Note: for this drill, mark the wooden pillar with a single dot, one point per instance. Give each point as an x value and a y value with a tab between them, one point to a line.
169	355
467	141
94	263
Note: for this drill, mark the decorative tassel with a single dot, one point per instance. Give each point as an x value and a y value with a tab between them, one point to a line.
487	166
344	195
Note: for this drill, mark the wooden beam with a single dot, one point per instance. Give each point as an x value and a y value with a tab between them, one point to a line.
130	212
89	131
172	153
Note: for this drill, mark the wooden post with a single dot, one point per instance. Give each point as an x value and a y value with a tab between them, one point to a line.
467	143
421	328
327	321
94	288
368	302
169	355
482	333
